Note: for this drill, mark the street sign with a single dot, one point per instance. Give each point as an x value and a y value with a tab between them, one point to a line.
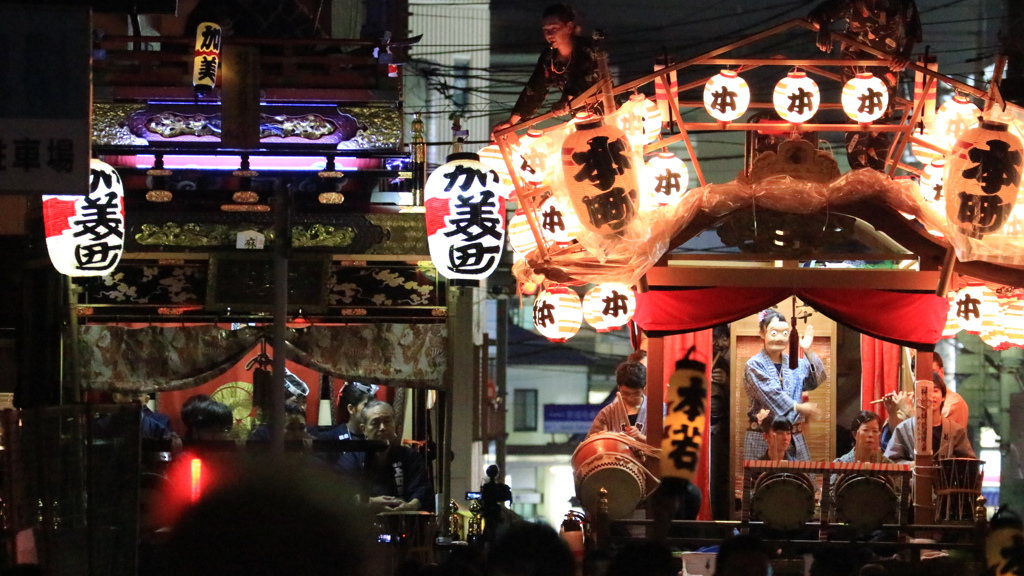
569	418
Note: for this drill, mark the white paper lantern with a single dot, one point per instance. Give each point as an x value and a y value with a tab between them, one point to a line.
726	96
630	119
955	116
557	313
1013	318
491	156
609	306
865	98
662	92
206	57
601	176
952	327
652	119
972	304
796	97
85	234
932	183
925	154
536	156
982	180
465	214
520	237
557	221
665	180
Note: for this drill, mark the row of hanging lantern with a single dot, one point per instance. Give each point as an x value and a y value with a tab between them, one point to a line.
995	316
558	312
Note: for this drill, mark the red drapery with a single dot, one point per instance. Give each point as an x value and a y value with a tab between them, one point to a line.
880	372
676	347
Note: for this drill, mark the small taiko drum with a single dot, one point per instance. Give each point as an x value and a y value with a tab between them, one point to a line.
865	502
605	460
958	487
783	500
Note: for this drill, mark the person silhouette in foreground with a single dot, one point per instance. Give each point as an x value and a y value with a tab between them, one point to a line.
493	495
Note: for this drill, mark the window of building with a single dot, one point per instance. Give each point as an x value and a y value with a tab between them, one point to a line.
524	410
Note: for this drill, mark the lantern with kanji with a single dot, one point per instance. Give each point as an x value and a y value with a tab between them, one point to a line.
600	176
491	156
609	306
973	303
557	221
726	96
206	57
665	180
865	98
932	182
465	216
85	234
557	313
536	156
982	178
630	119
955	117
796	97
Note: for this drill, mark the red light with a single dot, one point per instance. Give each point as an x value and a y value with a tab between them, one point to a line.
197	476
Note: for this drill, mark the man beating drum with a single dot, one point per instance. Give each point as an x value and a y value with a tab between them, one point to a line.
628	412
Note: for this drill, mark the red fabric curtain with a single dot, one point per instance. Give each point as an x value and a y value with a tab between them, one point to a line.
880	372
676	347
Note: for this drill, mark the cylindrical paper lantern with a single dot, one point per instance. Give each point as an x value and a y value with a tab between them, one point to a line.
928	108
865	98
982	178
665	180
600	176
652	119
973	303
662	92
952	327
206	57
557	313
534	157
491	156
796	97
558	221
726	96
465	214
924	154
85	234
932	182
520	237
630	119
955	117
609	306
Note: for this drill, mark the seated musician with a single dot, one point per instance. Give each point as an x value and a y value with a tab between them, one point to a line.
394	479
778	435
866	430
628	412
948	439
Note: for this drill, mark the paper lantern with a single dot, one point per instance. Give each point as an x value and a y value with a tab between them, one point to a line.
1013	318
665	180
85	234
557	313
726	96
972	304
932	182
609	306
465	215
601	176
992	332
630	119
928	106
557	221
662	92
955	117
952	327
865	98
534	157
206	57
520	237
491	156
796	97
924	154
982	178
652	119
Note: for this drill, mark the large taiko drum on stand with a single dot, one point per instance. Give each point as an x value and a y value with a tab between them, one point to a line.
865	502
606	460
957	488
783	500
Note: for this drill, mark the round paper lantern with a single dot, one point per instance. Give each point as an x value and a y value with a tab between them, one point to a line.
557	313
537	155
923	153
796	97
652	119
982	178
600	175
666	179
206	57
1013	318
465	216
952	327
520	237
954	117
726	96
865	98
558	221
973	303
609	306
630	119
491	156
932	181
85	234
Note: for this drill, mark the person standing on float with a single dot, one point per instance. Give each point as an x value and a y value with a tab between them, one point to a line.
775	390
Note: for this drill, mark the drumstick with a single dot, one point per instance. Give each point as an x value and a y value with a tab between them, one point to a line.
623	415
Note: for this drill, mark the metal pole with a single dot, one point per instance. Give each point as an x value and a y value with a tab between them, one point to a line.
282	247
500	379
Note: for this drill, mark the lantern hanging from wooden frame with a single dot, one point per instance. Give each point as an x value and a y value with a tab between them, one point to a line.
662	92
520	237
491	156
665	180
865	98
558	221
557	313
465	217
726	96
955	116
952	327
982	180
600	176
85	234
652	119
973	303
609	306
932	183
535	157
796	97
206	57
630	119
1013	318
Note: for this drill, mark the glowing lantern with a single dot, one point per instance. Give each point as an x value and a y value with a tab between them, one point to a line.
972	304
600	176
955	117
630	119
796	97
85	234
662	92
924	154
557	313
992	332
534	157
666	179
932	181
206	58
983	178
491	156
1013	319
726	96
465	213
652	119
558	221
520	237
952	327
928	106
609	306
865	98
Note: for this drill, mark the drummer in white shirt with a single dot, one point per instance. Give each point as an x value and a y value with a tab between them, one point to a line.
948	439
628	412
